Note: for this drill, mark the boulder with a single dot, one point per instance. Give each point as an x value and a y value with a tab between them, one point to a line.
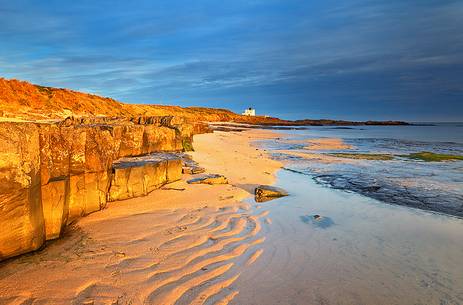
21	215
209	179
266	192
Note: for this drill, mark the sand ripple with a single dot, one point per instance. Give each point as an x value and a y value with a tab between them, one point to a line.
182	257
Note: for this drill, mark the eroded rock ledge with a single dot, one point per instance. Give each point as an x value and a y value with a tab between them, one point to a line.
52	173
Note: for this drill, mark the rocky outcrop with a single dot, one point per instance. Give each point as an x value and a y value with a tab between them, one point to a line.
53	173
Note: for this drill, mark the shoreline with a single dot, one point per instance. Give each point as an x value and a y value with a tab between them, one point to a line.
113	254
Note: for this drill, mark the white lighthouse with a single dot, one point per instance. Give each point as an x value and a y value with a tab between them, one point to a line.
249	112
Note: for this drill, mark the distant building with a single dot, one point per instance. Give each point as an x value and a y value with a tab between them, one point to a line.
249	112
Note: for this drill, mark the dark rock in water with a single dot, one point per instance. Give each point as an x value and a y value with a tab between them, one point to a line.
209	179
392	193
371	188
317	221
265	193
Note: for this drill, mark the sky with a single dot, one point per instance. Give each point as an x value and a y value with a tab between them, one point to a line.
353	60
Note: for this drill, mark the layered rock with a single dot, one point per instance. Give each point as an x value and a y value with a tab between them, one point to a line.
135	177
53	173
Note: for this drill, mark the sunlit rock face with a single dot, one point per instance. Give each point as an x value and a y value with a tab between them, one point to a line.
135	177
55	147
21	216
53	173
157	139
55	206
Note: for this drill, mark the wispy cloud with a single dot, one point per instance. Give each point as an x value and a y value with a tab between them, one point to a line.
351	59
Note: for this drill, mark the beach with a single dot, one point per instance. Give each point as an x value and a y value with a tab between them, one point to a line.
214	244
181	243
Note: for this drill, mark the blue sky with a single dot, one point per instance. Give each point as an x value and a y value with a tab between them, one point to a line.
357	59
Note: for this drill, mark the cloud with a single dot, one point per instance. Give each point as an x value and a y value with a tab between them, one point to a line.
327	58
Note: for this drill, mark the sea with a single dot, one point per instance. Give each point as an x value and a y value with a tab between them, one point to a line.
363	231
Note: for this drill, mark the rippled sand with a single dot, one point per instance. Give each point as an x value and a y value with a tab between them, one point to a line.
327	144
171	247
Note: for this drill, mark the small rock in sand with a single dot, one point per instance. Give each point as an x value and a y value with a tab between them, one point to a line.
209	179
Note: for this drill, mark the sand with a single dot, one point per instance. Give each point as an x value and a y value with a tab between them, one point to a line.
327	144
173	246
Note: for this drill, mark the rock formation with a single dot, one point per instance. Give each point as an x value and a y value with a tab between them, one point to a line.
54	172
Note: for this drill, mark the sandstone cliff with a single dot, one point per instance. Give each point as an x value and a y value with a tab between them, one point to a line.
23	100
52	173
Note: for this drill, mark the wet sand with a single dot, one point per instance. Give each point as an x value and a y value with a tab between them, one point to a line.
361	251
170	247
327	144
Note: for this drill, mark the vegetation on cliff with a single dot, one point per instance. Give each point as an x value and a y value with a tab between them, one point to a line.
23	100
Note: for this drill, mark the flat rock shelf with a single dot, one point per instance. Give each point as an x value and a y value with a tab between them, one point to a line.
138	176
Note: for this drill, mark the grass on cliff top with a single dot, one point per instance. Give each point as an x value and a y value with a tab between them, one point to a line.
363	156
432	157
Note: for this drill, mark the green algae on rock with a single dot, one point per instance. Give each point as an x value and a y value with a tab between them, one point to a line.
383	157
432	157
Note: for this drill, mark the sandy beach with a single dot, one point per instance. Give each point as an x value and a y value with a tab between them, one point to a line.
180	244
213	244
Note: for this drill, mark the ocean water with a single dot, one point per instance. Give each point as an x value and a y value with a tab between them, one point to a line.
435	186
362	248
360	251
